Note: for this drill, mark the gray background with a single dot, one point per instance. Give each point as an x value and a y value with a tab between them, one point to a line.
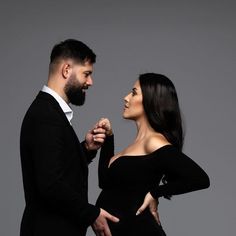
192	42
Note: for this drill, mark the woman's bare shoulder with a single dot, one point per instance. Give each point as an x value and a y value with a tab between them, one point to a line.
154	142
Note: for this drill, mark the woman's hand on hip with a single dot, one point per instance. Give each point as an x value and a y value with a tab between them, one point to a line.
152	204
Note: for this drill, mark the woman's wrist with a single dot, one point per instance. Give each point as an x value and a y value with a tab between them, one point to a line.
109	132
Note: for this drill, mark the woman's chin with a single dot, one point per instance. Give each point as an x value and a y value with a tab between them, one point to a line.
125	116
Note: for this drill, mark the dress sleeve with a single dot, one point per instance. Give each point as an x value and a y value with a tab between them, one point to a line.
107	151
183	174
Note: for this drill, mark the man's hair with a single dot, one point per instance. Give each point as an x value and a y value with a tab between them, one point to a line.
71	49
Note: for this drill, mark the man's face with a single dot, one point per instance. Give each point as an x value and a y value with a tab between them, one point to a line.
78	82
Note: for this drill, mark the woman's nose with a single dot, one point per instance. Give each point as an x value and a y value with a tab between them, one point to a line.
126	98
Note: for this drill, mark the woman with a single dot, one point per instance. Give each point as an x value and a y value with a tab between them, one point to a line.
132	178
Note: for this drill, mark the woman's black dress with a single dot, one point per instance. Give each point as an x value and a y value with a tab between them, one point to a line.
129	178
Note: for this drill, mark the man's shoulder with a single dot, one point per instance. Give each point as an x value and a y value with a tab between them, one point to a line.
44	109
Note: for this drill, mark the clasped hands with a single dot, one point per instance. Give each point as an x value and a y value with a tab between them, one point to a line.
97	135
93	141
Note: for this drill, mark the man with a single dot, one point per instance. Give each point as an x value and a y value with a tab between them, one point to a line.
54	162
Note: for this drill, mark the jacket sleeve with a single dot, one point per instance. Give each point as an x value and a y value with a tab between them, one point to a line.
183	174
48	154
107	151
90	155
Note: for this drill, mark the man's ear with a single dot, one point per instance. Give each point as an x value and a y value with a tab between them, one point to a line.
66	70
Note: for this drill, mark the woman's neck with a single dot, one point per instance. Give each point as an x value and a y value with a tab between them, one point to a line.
143	129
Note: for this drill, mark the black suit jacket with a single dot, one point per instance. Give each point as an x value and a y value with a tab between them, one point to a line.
55	173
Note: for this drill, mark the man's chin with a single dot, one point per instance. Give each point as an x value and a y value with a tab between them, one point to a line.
76	103
77	100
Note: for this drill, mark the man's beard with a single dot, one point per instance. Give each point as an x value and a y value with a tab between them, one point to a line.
74	92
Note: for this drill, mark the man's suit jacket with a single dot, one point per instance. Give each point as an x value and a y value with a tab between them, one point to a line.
55	173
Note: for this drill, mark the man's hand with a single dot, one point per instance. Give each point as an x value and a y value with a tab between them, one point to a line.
152	203
100	226
96	136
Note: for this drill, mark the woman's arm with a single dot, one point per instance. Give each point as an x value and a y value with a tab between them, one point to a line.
107	151
183	174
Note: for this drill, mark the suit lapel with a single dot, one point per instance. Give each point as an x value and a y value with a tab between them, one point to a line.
54	102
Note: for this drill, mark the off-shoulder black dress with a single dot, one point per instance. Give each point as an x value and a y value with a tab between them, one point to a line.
129	178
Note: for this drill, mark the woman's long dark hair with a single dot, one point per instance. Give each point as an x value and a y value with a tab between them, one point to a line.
161	106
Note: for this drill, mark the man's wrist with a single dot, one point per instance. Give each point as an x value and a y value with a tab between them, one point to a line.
88	149
86	146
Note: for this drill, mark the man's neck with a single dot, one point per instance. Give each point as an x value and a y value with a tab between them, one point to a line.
58	90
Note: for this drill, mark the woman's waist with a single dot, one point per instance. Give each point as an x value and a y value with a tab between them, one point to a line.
127	188
121	202
124	192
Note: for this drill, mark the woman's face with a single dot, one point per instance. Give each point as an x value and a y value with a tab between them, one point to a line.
133	107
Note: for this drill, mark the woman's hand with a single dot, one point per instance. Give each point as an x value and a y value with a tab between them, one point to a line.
152	203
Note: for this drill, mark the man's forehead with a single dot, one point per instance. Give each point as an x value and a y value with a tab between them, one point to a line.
87	66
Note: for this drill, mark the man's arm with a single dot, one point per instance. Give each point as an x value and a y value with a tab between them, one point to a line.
93	141
48	153
90	154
